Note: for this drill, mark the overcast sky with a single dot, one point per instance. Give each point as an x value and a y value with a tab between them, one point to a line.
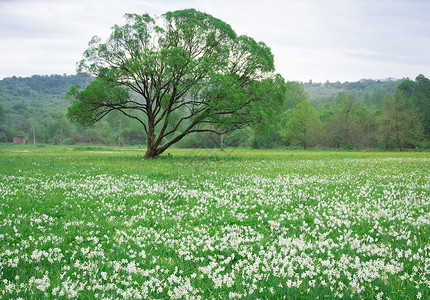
343	40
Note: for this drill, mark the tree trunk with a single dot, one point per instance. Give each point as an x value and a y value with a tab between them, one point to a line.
150	152
400	145
151	148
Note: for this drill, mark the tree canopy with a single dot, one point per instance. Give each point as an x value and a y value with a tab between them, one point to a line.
183	72
400	120
304	126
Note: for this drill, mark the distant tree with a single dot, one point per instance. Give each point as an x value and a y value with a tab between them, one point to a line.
294	95
266	132
421	99
349	106
366	129
376	99
332	134
185	72
419	92
271	120
304	126
134	134
399	121
407	86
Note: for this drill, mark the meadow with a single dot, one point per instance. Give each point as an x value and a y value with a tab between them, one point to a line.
98	222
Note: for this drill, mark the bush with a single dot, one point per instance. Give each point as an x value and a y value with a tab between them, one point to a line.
425	144
3	138
133	136
200	140
238	138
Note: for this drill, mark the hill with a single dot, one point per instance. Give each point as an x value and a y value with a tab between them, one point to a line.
321	93
41	91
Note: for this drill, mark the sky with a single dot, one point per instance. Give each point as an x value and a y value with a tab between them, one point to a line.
318	40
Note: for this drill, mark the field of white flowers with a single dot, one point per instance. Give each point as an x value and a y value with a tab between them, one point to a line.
109	225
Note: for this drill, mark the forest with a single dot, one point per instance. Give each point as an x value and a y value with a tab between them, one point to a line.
390	114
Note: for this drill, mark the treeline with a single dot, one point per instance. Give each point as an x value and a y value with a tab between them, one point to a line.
368	114
365	115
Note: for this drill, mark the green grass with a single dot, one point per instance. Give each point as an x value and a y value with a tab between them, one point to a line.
99	222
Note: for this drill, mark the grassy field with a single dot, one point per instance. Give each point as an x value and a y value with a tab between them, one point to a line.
95	222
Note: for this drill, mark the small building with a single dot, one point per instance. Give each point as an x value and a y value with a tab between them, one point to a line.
19	139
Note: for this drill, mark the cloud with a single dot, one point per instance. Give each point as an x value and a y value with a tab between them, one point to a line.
311	39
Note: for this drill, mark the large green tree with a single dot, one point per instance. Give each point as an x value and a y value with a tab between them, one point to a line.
180	73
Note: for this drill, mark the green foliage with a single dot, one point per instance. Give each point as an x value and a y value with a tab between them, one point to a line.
2	115
182	73
236	138
294	95
270	118
95	101
421	99
350	124
133	136
420	89
349	106
34	102
304	126
201	140
399	122
3	137
38	102
322	93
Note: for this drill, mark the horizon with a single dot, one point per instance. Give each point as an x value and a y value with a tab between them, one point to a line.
299	81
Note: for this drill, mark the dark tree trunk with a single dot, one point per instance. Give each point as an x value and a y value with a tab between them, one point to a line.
150	152
399	144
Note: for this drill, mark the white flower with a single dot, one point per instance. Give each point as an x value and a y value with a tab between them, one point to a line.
104	275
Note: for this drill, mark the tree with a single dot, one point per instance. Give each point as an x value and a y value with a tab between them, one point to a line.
419	92
399	122
421	99
366	132
347	117
183	72
295	94
304	126
407	87
332	134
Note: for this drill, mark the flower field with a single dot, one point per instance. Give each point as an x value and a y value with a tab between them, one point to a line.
92	222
